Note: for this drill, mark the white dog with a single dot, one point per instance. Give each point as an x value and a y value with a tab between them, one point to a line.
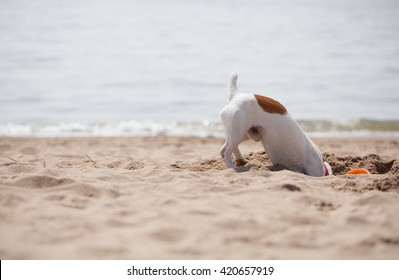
265	119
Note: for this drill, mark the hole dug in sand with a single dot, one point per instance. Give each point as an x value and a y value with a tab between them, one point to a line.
340	165
384	174
373	163
258	160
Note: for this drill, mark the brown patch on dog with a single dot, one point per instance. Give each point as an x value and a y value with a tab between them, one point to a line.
270	105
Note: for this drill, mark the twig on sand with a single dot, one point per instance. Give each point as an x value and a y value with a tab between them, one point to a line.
90	159
14	160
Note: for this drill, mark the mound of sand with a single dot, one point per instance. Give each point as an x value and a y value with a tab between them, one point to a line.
339	164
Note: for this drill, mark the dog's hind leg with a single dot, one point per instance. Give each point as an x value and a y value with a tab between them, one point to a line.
233	146
235	134
240	160
227	156
223	149
228	150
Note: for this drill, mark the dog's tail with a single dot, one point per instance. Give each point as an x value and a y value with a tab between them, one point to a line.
232	85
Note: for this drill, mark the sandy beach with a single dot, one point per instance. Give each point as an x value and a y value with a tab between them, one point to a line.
172	198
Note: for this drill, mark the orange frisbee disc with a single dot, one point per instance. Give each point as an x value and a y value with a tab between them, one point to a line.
358	171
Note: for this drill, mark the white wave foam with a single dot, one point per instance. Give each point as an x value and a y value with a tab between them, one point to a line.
205	128
123	128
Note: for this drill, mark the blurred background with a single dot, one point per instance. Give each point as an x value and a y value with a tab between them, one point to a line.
144	67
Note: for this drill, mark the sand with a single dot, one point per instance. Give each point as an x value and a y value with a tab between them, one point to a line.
172	198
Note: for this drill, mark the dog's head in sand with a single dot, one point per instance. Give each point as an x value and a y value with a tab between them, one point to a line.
261	118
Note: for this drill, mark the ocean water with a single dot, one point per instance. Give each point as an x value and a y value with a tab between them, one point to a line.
145	67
